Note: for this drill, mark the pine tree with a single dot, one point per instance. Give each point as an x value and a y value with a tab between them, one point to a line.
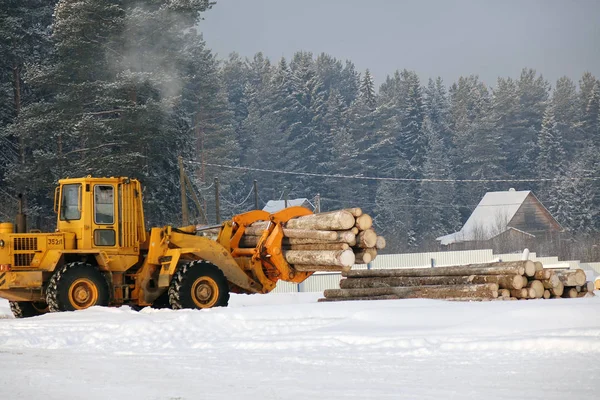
367	91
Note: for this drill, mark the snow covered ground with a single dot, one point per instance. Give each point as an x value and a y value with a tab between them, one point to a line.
287	346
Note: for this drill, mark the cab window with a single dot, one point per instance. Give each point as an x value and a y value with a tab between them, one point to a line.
69	208
104	205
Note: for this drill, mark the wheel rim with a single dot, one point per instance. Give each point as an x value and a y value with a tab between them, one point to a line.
83	293
40	307
205	292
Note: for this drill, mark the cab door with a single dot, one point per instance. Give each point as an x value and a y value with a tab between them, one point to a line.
105	224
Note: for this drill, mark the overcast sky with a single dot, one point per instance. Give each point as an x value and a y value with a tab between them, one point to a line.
446	38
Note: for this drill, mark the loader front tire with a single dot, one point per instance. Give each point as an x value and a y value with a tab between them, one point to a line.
26	309
76	286
198	284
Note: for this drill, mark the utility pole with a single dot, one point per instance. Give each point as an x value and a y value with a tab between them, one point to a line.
185	218
217	204
255	195
317	203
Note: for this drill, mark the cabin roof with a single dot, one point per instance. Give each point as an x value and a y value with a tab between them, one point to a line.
490	217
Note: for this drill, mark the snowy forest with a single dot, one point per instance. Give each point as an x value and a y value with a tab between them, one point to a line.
123	88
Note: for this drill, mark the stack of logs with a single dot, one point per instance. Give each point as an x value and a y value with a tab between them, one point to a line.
332	241
491	281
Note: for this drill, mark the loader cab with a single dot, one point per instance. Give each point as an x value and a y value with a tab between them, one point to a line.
104	213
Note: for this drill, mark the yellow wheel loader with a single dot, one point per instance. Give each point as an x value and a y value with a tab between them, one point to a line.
101	254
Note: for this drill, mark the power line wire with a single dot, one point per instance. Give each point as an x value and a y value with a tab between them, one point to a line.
377	178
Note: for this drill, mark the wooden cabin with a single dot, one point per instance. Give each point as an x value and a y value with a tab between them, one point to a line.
504	221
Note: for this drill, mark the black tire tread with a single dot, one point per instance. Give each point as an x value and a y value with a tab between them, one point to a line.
178	282
24	309
52	290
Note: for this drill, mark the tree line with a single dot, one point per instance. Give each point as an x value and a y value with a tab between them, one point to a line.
122	88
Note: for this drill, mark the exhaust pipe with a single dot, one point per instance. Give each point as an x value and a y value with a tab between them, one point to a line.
21	217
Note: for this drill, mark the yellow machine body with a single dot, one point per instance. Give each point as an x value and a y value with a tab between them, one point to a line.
100	222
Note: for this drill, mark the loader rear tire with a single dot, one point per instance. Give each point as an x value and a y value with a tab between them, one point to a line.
26	309
76	286
198	284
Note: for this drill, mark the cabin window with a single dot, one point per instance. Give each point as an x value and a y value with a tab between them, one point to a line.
104	203
104	237
70	208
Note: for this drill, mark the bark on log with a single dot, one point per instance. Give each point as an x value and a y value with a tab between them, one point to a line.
520	293
297	233
318	246
337	220
261	225
380	243
538	289
569	293
559	290
504	281
551	283
351	240
363	257
385	297
364	222
315	268
547	294
498	268
366	239
489	290
571	277
342	258
356	212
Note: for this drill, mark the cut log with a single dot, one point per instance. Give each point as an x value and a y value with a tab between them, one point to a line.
351	241
318	246
372	252
559	290
504	293
346	236
588	287
366	239
489	290
520	293
315	268
547	294
337	220
504	281
538	289
586	294
531	293
551	283
497	268
525	281
569	293
355	230
380	243
543	274
364	222
260	225
356	212
385	297
572	277
342	258
363	257
297	233
538	266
